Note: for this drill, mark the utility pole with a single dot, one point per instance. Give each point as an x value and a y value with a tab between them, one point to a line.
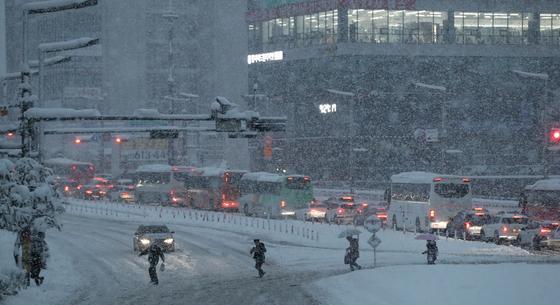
171	17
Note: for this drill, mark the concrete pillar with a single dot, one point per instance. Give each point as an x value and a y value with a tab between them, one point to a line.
449	28
534	28
343	25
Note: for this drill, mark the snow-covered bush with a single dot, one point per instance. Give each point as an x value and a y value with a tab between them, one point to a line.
27	198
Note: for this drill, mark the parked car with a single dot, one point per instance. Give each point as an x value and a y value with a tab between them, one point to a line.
340	210
503	227
553	241
153	234
537	235
468	224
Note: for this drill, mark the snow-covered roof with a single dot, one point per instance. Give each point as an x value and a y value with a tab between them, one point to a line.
545	185
415	177
154	168
64	161
60	113
56	5
263	176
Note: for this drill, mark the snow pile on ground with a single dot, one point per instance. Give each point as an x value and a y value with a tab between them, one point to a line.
500	284
60	279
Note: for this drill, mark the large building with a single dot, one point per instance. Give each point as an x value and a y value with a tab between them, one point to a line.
152	54
372	87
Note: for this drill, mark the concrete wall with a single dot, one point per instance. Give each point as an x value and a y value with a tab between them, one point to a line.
2	38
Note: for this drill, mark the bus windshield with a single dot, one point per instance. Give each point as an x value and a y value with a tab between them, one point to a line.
410	192
298	183
545	198
153	178
451	190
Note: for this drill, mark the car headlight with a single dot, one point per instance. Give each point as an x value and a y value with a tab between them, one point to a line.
145	241
168	241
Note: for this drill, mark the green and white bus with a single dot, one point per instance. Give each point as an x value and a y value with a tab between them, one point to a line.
272	195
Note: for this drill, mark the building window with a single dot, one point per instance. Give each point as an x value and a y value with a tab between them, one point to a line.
550	29
380	26
491	28
411	30
396	19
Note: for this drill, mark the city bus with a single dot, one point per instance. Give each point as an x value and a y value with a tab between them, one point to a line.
426	201
273	195
75	171
160	184
214	189
541	200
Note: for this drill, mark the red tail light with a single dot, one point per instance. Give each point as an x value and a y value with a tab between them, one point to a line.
79	187
438	179
66	188
467	225
432	215
340	211
382	216
545	230
230	204
466	180
89	192
504	229
282	204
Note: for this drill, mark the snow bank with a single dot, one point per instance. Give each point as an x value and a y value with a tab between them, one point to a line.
345	93
541	76
56	5
67	45
500	284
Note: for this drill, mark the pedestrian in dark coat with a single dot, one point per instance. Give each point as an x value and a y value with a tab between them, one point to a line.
38	256
258	252
352	253
154	254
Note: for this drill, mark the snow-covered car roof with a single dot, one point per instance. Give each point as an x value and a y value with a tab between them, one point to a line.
545	185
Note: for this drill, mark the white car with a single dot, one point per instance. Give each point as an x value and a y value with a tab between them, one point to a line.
315	212
537	235
341	210
504	227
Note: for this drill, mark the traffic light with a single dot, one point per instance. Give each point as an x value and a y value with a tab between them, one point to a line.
554	135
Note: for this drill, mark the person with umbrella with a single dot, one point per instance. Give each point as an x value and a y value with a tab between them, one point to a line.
431	247
353	251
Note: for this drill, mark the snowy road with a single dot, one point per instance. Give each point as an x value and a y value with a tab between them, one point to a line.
93	263
204	270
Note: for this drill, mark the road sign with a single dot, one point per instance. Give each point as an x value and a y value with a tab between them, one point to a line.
374	241
372	224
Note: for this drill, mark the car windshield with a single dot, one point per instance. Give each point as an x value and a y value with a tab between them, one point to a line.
477	220
153	229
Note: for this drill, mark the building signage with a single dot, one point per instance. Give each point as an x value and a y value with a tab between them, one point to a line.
264	57
327	108
309	7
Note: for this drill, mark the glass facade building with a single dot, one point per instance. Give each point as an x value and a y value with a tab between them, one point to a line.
368	59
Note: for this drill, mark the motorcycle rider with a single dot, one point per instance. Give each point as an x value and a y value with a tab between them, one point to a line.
431	251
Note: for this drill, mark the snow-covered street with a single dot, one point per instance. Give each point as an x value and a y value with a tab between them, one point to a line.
92	262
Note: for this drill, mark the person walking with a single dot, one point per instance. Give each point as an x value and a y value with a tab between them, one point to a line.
258	252
154	254
22	252
352	253
39	252
431	251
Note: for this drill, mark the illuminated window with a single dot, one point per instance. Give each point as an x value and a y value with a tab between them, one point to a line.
550	29
396	26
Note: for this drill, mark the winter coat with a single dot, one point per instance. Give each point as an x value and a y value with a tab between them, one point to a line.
258	252
154	254
39	251
354	249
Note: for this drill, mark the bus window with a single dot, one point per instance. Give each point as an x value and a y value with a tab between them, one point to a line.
298	183
451	190
410	192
